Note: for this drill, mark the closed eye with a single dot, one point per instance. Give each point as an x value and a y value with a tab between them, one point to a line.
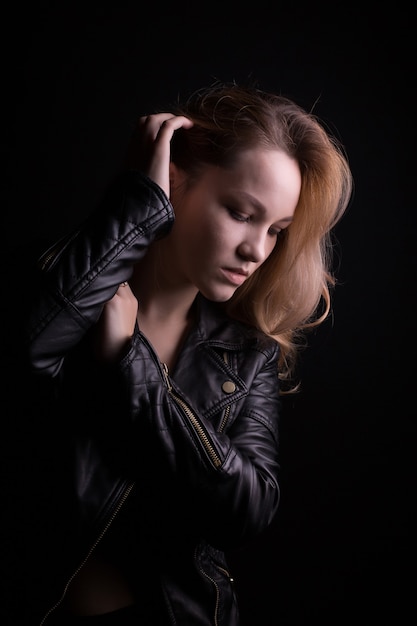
274	231
240	217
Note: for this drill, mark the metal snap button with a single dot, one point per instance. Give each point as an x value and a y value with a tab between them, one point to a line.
228	386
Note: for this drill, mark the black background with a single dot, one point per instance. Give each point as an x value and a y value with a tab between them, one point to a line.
74	79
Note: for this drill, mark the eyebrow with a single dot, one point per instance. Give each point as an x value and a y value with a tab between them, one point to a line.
258	205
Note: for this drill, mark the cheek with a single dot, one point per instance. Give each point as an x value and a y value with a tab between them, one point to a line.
220	242
208	235
270	246
207	244
205	235
195	244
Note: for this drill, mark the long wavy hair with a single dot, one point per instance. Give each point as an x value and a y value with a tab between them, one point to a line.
290	292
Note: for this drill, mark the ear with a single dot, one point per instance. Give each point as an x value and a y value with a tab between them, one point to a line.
176	177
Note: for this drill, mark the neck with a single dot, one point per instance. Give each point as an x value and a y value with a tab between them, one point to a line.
165	303
161	290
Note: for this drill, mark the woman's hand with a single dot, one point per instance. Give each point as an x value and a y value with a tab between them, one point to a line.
116	324
150	148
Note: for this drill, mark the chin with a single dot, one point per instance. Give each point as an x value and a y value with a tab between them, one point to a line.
218	295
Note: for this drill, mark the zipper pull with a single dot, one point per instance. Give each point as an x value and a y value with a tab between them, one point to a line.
166	374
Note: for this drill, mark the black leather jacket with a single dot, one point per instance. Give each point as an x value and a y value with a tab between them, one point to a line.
190	457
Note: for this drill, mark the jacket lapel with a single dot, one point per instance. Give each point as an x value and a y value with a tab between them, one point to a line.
204	370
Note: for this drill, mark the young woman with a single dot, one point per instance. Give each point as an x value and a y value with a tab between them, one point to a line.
165	329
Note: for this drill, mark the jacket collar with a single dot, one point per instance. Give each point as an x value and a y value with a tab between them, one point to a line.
216	328
205	374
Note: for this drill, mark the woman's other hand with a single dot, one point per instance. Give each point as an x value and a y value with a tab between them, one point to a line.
116	324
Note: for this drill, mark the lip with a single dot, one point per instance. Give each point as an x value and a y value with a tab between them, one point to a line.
234	275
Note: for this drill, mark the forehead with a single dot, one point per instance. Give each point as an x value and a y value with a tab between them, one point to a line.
268	179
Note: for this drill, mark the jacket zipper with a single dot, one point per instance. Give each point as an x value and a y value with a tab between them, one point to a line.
201	433
90	551
216	586
227	409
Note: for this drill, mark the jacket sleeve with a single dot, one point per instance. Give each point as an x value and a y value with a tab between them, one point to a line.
230	477
79	274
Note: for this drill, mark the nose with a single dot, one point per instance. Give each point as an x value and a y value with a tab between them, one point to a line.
254	248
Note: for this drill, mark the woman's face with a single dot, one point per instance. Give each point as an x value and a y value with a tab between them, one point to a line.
227	222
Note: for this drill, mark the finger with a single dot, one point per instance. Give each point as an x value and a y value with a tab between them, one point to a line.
162	142
153	137
169	125
123	289
151	126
